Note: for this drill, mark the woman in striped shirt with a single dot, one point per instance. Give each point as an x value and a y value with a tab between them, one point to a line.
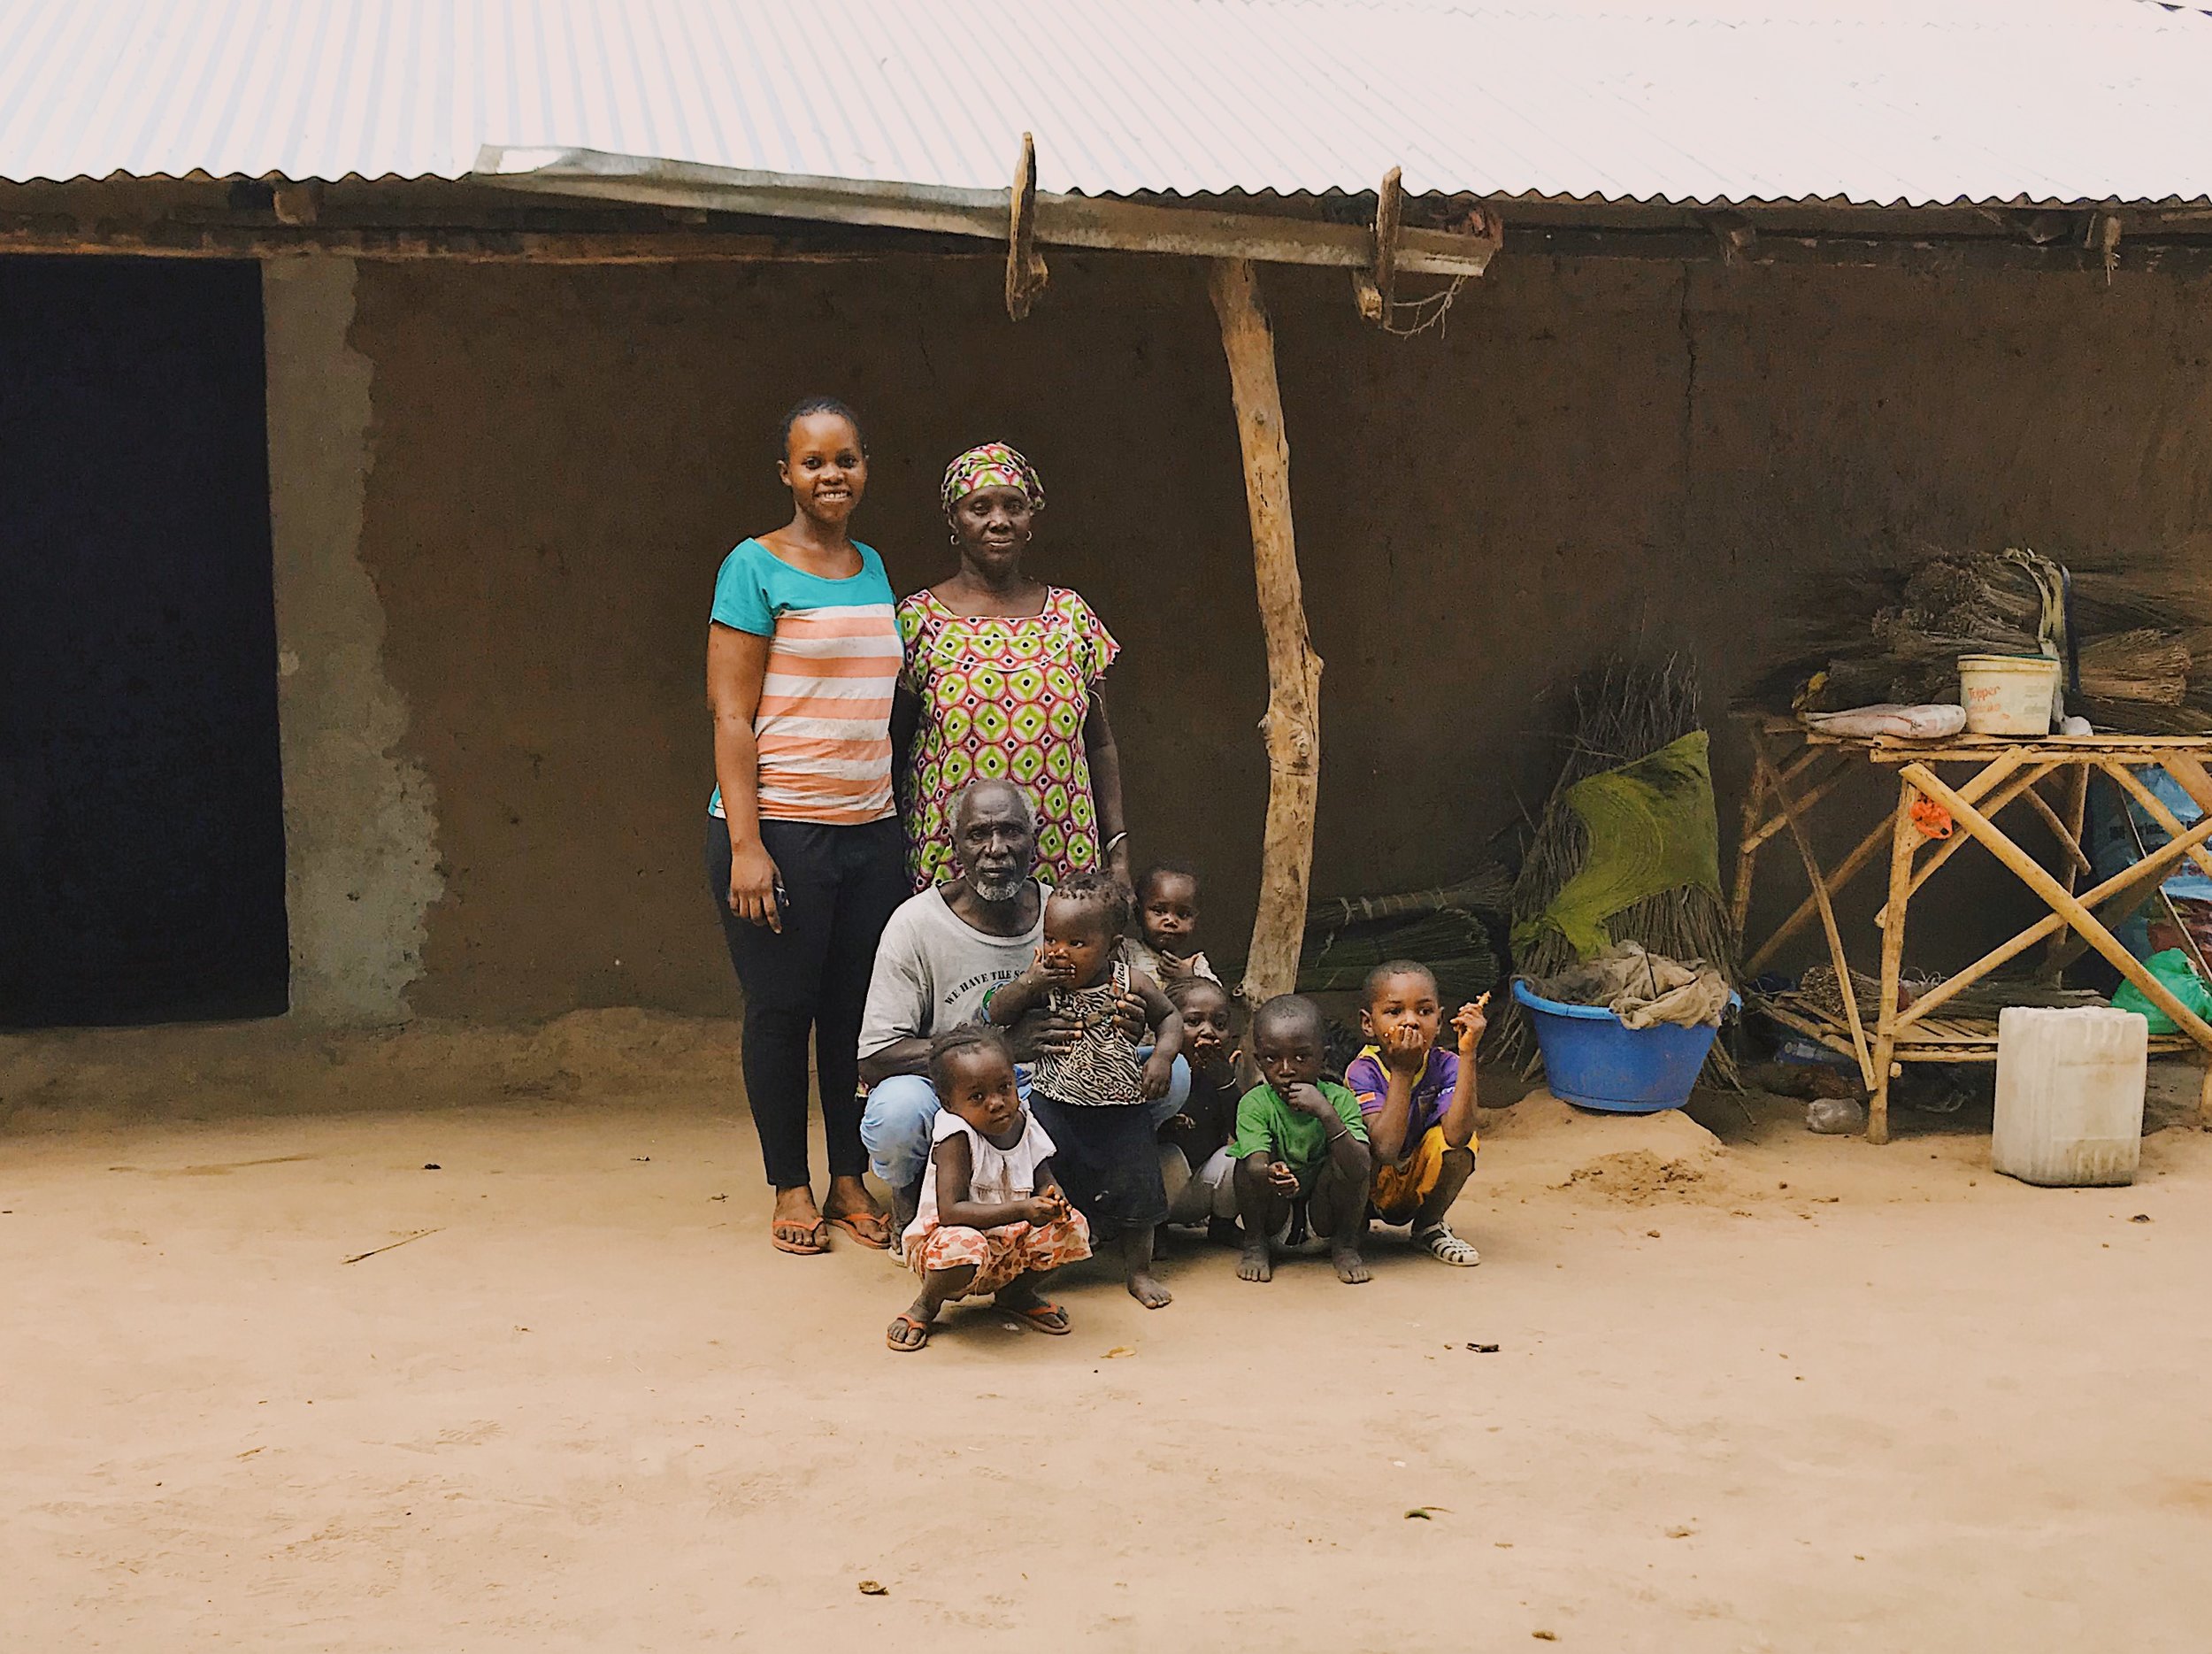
804	854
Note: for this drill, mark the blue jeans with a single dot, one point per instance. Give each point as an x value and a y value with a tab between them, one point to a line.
902	1113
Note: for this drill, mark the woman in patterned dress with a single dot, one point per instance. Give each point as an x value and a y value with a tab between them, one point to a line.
1001	682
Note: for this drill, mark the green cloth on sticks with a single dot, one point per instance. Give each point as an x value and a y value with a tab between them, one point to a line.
1652	828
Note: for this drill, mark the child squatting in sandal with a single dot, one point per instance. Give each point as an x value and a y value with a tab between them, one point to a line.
1418	1100
992	1218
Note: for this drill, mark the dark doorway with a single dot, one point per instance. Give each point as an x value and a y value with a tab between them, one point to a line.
142	830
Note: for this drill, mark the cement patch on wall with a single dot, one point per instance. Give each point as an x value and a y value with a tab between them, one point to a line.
359	826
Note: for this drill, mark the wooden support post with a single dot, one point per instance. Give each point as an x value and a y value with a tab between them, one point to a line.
1847	870
1292	723
2188	775
1376	287
1803	759
1904	839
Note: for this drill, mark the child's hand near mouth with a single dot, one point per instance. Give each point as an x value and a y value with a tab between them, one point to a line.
1471	1025
1050	970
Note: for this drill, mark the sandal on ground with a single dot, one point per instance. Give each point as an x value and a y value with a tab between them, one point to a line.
1040	1316
870	1229
1439	1243
798	1237
903	1319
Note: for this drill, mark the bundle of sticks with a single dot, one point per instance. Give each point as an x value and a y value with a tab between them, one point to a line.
2140	660
1625	710
1448	928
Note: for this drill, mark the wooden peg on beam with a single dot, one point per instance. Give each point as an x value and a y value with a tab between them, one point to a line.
1025	273
1376	287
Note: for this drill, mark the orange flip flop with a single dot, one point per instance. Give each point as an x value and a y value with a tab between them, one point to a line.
1043	1318
870	1229
801	1240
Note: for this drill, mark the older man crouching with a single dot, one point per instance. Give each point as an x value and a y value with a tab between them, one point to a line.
941	953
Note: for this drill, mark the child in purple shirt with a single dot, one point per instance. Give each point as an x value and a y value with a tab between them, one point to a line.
1418	1101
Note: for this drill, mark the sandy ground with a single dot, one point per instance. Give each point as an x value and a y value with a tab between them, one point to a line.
1759	1391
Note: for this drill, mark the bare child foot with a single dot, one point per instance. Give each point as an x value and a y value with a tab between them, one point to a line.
1351	1268
1136	1263
1256	1264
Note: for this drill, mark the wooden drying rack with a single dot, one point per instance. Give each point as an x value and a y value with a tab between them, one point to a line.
1794	769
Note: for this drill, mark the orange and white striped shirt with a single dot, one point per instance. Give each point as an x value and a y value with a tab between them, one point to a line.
824	725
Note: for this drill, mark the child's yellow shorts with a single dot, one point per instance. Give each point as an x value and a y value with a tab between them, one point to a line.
1398	1190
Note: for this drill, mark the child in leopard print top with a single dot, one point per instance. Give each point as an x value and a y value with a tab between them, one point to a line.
1090	1092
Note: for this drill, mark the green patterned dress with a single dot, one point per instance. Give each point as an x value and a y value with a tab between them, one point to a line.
1004	697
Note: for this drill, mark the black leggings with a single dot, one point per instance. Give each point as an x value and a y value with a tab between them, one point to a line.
842	883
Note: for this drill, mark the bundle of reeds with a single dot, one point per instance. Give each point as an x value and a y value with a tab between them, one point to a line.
1489	889
1624	712
1448	927
2142	665
1454	942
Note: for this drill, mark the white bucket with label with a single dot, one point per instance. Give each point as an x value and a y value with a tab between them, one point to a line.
2008	695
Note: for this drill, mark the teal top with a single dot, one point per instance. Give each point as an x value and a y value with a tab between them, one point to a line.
823	727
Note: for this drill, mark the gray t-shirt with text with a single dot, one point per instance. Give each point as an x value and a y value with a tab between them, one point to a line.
933	970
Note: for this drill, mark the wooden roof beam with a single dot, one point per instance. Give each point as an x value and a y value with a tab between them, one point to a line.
1092	221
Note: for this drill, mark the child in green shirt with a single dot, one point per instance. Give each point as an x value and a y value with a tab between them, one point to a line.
1299	1137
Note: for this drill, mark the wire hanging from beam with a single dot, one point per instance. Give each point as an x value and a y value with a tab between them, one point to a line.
1422	313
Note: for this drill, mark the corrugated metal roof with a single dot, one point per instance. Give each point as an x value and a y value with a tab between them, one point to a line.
1876	102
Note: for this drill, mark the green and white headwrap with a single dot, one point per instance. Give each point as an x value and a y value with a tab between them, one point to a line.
993	465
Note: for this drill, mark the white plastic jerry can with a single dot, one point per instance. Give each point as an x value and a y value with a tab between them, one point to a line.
2069	1095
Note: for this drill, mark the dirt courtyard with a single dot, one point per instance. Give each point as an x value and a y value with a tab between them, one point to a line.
1758	1391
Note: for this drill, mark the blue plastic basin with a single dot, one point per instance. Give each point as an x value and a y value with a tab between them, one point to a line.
1594	1059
